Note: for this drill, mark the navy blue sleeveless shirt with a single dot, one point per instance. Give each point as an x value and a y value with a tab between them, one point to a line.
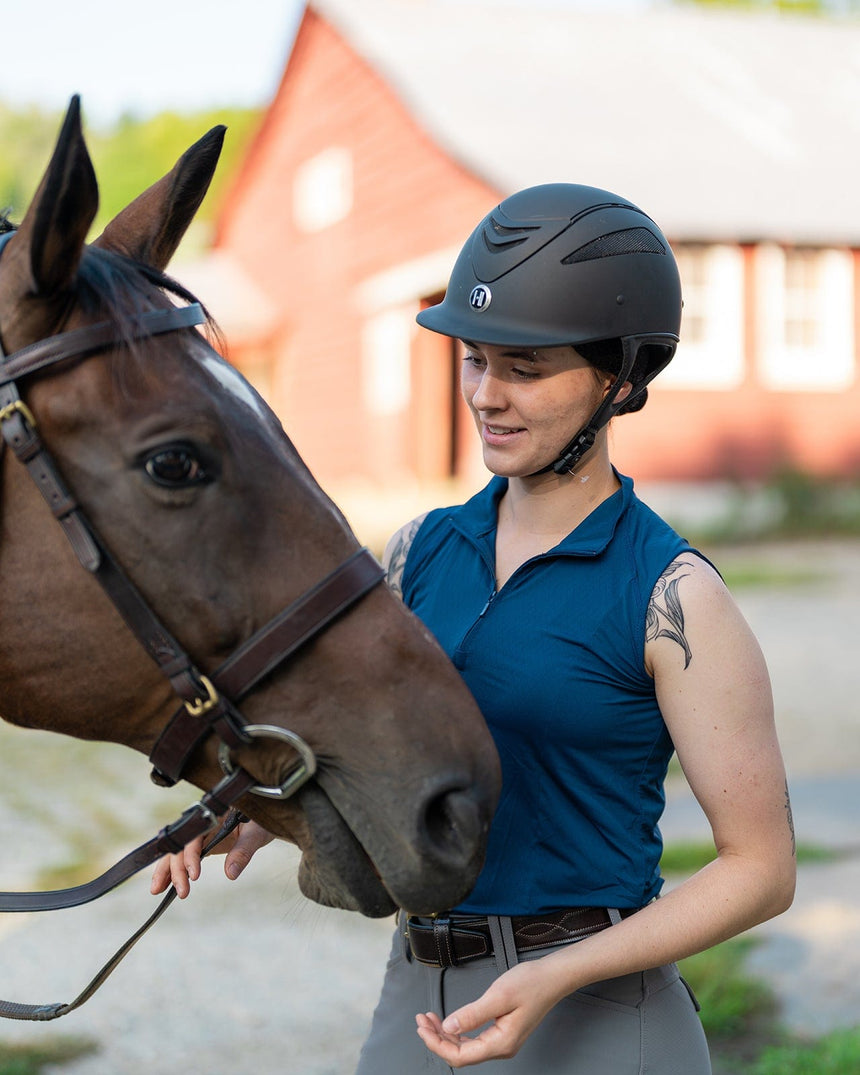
555	660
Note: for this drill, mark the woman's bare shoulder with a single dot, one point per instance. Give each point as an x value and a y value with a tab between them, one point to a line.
396	551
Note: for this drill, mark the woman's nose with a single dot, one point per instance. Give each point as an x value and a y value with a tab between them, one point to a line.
488	393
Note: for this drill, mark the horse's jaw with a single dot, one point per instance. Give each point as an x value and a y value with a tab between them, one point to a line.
335	870
375	867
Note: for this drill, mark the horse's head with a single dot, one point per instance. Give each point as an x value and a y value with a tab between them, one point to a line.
198	494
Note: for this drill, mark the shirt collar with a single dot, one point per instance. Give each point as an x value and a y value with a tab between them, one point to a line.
477	518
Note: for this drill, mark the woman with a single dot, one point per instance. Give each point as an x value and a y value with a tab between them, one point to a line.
596	642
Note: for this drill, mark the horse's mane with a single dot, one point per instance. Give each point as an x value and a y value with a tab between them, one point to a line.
117	288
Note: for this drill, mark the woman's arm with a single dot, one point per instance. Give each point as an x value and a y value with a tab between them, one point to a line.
714	692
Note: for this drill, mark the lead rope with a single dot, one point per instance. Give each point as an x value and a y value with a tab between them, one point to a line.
43	1013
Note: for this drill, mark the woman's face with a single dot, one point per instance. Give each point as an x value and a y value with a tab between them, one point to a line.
527	404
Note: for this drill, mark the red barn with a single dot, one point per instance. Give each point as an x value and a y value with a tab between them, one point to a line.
399	123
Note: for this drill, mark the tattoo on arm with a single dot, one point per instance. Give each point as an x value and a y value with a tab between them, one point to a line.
790	818
395	555
665	615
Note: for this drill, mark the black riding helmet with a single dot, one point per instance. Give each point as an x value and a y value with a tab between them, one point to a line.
561	264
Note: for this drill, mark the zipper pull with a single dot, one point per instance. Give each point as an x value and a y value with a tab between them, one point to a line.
489	602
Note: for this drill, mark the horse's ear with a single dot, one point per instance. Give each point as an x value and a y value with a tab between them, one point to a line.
151	227
55	226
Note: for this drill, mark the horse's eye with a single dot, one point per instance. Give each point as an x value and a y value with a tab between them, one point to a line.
175	467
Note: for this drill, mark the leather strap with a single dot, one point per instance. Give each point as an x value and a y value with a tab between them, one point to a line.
195	821
266	650
45	1012
78	342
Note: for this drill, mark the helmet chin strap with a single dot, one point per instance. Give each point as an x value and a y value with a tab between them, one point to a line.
583	442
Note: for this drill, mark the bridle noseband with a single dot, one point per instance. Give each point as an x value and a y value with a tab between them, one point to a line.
209	703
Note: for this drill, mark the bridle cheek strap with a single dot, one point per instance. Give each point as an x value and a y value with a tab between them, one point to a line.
283	636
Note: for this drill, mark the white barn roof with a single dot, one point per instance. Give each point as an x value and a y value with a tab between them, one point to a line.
721	125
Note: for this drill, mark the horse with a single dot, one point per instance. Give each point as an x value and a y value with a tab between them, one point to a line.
174	472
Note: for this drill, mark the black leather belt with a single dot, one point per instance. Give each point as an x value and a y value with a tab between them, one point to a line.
449	941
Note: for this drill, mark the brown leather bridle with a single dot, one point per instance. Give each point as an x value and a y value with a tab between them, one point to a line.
209	703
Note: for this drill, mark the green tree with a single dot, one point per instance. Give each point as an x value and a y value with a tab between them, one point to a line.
127	157
804	7
27	137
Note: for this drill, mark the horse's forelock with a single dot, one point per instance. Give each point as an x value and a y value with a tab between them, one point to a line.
116	288
112	287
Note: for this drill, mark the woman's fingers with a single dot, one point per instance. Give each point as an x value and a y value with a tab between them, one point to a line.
179	870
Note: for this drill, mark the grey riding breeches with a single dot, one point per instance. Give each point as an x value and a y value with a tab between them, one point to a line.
639	1024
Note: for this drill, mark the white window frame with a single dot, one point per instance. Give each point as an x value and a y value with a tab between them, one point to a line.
827	364
386	351
716	361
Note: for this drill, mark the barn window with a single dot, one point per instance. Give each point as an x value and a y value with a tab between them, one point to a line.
711	352
805	318
322	190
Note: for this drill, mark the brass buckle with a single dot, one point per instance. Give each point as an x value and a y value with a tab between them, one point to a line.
21	408
202	705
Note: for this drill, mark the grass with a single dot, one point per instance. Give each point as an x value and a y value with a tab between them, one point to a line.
32	1059
733	1003
757	574
835	1054
105	807
788	505
741	1019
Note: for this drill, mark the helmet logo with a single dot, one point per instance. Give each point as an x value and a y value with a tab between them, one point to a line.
480	298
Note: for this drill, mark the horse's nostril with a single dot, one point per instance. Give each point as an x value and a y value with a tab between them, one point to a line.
453	824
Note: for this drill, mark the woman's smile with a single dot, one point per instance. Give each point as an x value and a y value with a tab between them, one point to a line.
493	434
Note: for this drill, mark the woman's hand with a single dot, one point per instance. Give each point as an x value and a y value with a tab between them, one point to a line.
513	1006
184	867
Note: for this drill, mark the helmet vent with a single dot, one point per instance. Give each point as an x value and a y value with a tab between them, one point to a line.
503	230
627	241
499	237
